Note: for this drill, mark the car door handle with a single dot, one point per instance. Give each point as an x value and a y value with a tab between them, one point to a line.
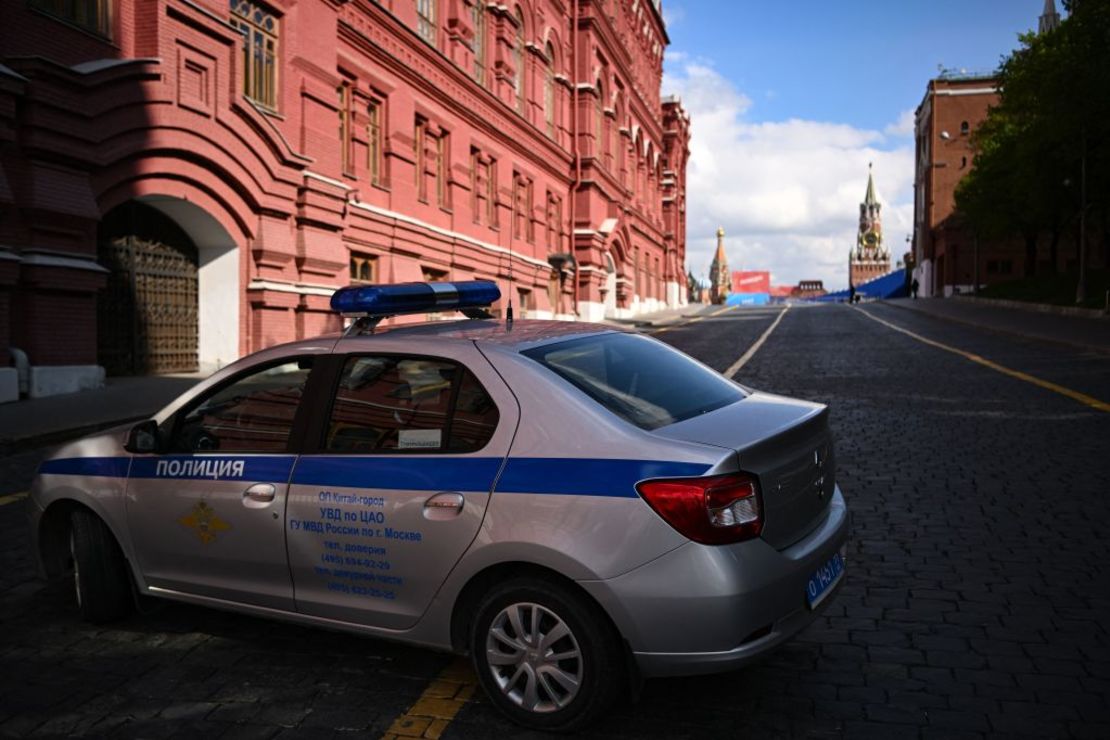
259	493
444	505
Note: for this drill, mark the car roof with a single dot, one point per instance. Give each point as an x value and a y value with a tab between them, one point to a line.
512	336
520	334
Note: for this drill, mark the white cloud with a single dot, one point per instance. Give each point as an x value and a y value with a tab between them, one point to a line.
904	126
786	192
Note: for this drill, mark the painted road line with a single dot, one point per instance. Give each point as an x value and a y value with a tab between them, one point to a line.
694	320
11	498
1083	398
438	705
735	367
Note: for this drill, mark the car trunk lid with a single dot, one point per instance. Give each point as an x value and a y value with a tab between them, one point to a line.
783	441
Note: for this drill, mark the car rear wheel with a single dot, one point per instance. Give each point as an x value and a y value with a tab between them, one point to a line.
100	578
547	657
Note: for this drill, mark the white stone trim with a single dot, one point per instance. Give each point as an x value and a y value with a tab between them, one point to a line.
967	91
589	268
97	65
591	311
450	234
53	380
584	232
607	226
279	286
9	72
328	180
46	259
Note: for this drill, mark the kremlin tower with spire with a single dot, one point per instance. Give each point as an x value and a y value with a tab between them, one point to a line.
720	280
869	258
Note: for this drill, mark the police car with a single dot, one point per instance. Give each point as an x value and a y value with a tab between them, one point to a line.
576	507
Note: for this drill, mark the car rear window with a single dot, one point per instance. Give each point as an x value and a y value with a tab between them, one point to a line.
641	380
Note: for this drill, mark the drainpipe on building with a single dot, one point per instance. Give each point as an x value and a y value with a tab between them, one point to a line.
574	143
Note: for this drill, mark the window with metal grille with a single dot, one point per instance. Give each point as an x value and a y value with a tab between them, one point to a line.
475	173
421	130
491	194
549	91
478	16
518	60
426	20
259	28
529	209
599	120
90	15
443	149
374	140
344	93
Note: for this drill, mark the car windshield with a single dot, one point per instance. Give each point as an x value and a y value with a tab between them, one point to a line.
643	381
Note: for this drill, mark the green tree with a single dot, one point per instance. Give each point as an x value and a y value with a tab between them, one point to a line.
1051	127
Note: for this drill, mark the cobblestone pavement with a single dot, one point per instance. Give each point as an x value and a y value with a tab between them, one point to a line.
975	604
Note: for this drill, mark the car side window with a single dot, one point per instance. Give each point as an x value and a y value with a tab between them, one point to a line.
252	414
412	404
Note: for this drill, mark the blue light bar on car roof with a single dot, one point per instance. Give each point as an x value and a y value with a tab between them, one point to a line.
399	298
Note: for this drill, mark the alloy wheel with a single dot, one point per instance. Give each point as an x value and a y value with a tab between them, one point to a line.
534	657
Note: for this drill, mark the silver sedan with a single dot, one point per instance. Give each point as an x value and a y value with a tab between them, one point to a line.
576	507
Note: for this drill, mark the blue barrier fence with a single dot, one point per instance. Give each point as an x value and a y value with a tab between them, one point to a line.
891	285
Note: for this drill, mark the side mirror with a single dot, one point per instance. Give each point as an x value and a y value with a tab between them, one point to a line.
143	437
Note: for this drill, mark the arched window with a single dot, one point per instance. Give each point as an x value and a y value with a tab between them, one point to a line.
549	90
518	60
965	129
478	15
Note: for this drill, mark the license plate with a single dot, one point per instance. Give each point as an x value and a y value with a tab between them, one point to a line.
823	580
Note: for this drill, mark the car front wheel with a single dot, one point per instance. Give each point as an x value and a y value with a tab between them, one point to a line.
546	656
100	578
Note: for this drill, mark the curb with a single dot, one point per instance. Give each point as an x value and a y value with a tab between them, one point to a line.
1086	313
996	330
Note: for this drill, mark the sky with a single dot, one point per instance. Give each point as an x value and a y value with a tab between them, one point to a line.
789	103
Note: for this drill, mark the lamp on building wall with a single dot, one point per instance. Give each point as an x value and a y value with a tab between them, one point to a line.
946	136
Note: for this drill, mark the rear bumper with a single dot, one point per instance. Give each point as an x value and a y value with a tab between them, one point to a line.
703	609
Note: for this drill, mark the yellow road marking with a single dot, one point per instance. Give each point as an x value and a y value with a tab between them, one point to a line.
12	498
694	320
735	367
438	705
1046	384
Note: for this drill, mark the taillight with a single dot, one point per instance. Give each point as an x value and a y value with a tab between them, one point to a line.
714	510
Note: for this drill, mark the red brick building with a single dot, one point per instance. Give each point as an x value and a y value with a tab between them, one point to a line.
944	251
186	181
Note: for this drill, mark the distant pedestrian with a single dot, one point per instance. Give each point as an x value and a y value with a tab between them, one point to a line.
913	288
851	293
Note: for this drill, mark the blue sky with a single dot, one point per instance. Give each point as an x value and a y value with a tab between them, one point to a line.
798	97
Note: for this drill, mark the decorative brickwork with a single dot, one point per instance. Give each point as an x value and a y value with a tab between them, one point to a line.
286	138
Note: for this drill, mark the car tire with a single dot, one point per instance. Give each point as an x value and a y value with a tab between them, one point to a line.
101	581
521	628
